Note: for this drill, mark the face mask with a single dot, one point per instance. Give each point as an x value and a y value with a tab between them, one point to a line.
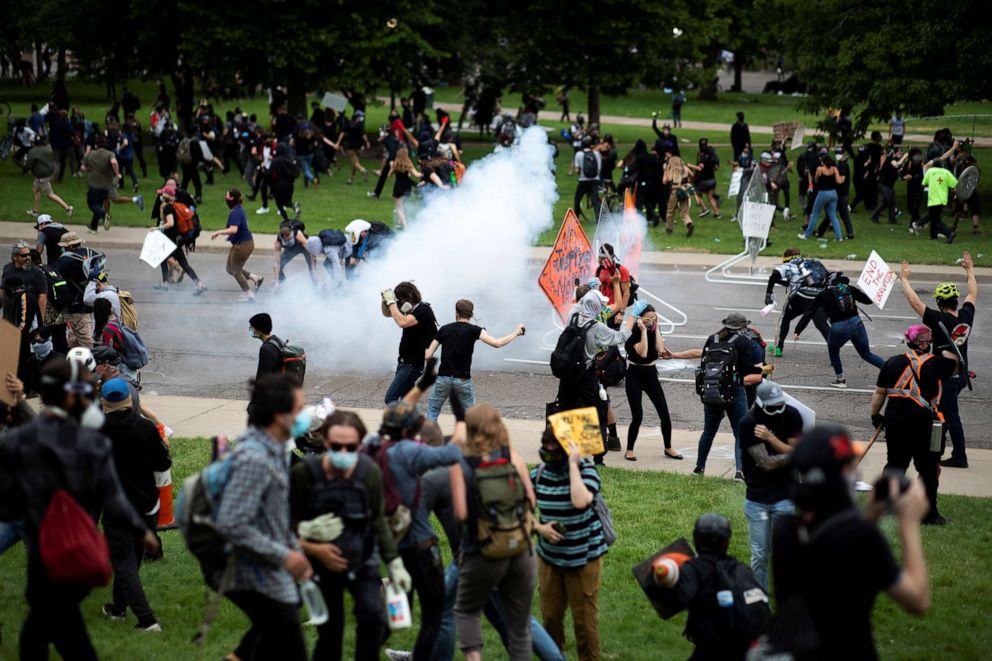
551	456
42	349
301	424
92	417
253	333
342	460
230	203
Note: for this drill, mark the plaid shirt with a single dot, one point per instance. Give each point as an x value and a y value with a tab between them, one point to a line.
53	452
254	517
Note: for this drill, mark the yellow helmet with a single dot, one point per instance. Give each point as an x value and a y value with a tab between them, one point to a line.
946	290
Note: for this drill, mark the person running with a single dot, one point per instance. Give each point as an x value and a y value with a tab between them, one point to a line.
355	140
839	300
676	177
283	171
290	243
336	504
40	161
242	246
937	181
949	318
707	163
102	171
804	279
253	518
403	169
457	343
827	179
645	347
168	224
888	175
49	235
405	306
486	443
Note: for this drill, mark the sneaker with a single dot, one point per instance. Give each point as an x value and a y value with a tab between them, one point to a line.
32	213
398	655
261	211
134	188
112	613
802	236
139	200
350	181
786	214
89	231
950	239
372	195
70	211
297	209
154	626
778	352
690	228
703	213
954	463
717	215
698	470
739	476
839	382
613	444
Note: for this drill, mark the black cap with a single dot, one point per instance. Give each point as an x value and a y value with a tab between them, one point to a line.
711	532
261	322
822	454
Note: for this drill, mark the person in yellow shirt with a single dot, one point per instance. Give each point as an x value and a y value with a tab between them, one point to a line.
938	181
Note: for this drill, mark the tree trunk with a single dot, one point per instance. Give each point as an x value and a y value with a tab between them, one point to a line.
182	80
708	88
60	62
738	70
296	92
38	66
593	105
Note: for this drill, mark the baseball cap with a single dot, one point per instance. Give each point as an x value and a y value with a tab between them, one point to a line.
167	190
70	239
735	321
114	390
822	454
400	415
770	397
43	219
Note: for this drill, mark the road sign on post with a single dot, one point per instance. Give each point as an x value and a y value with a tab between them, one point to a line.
571	257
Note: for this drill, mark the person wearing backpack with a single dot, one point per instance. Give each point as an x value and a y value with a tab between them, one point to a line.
336	504
175	221
832	560
839	301
335	248
139	453
253	518
290	243
727	607
727	366
571	544
57	474
588	163
492	495
275	356
110	332
78	315
804	278
49	235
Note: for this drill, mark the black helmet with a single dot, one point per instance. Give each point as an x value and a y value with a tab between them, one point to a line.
711	532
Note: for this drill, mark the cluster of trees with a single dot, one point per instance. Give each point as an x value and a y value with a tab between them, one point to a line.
875	57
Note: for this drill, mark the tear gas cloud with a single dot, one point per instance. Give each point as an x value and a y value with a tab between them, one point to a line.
470	242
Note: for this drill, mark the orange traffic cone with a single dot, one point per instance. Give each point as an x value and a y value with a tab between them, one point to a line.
166	514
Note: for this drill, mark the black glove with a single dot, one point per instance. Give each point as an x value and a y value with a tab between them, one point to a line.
878	421
456	406
429	376
768	299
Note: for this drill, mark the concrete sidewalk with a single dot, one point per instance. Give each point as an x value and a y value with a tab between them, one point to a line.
132	238
198	416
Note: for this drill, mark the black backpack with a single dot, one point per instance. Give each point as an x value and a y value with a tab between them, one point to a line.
718	622
347	499
590	168
716	378
568	360
332	238
59	295
295	225
814	276
845	298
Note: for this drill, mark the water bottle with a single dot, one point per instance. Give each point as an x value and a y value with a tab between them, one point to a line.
852	257
602	392
397	607
314	602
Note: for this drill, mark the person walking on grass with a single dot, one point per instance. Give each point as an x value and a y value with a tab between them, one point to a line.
457	344
403	169
40	162
242	243
676	177
827	179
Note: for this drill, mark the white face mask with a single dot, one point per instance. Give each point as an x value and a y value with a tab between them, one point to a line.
92	417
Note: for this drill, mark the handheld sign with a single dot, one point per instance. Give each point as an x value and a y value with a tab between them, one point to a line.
571	257
10	354
735	183
876	280
579	426
156	249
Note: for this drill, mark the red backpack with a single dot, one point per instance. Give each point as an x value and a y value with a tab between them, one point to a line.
72	549
184	219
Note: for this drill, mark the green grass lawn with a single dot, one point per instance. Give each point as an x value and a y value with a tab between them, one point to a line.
650	509
335	203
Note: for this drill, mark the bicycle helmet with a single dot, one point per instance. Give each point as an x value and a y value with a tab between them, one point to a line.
946	290
84	356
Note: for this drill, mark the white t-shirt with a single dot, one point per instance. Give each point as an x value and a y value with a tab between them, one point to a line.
579	157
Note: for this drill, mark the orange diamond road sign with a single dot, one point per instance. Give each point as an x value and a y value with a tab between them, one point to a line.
571	257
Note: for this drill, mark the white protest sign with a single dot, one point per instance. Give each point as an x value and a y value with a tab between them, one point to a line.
735	183
797	137
335	101
205	148
756	219
156	248
877	279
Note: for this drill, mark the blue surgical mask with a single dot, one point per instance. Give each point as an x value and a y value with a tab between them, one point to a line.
342	460
301	423
42	349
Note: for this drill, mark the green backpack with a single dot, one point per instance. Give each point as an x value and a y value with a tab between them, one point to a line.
294	358
504	521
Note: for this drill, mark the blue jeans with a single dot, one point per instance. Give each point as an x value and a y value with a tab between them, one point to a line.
712	417
442	389
405	378
304	163
824	199
10	534
760	517
444	648
952	416
852	329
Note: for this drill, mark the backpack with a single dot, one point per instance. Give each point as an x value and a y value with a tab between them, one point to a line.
58	289
294	358
813	275
348	500
187	222
590	168
332	238
295	225
134	353
845	298
600	507
184	152
568	360
716	377
610	366
398	515
716	624
504	522
129	313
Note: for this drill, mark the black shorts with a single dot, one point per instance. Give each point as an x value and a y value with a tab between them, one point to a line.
706	185
897	139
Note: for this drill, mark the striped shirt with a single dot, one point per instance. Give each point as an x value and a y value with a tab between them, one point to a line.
583	540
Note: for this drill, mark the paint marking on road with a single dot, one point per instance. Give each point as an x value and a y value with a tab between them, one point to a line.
776	311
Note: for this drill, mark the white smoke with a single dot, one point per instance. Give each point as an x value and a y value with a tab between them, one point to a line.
470	242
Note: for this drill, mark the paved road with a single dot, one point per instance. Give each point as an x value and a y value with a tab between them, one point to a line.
200	346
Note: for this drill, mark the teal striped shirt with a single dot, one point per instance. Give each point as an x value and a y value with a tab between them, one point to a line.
583	540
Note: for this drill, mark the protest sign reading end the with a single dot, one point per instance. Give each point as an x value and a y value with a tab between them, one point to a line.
876	280
571	257
10	353
579	426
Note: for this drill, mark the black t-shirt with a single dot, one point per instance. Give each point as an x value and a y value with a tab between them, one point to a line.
269	359
284	124
457	345
745	354
843	569
172	232
33	279
889	173
765	486
416	339
635	337
959	327
934	371
52	237
707	161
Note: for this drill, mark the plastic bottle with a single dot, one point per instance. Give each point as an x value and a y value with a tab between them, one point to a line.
397	607
314	602
852	257
602	392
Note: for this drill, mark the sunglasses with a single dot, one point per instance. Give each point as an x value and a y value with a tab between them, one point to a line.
22	255
343	447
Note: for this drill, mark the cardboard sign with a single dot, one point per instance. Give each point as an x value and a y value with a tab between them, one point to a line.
876	280
756	219
156	249
579	426
571	257
798	136
10	354
335	101
784	130
735	183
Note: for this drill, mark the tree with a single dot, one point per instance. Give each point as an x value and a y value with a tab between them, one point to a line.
916	56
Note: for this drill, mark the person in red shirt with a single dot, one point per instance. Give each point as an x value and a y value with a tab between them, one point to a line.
608	266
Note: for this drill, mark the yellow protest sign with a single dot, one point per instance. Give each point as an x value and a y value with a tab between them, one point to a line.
579	426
